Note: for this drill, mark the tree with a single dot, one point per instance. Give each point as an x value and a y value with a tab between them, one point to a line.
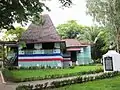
91	34
107	13
69	30
13	34
22	11
96	36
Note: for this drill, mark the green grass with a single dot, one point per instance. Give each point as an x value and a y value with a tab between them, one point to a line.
44	72
106	84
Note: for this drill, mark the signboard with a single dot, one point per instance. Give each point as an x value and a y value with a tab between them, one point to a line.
108	63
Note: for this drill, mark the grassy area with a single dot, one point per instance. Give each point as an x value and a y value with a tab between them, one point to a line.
44	72
106	84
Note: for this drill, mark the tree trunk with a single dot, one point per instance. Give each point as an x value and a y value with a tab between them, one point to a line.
3	52
117	45
118	40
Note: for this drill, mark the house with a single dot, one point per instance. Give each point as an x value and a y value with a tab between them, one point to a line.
43	45
76	52
40	45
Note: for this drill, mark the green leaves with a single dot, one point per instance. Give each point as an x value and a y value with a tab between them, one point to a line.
107	13
14	34
69	30
22	11
19	10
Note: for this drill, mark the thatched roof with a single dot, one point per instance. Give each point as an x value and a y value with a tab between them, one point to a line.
41	33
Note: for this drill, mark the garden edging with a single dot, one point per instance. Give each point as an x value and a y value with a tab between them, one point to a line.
61	83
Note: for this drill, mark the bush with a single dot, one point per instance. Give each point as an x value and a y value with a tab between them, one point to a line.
57	84
35	67
25	87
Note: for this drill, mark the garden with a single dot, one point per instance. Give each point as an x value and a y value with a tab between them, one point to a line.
31	74
106	84
94	82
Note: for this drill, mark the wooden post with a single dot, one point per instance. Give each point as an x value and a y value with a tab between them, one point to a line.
3	55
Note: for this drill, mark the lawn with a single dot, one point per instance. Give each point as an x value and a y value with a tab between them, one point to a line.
106	84
45	72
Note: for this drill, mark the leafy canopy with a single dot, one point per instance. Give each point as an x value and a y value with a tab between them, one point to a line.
94	35
107	13
14	34
69	30
22	11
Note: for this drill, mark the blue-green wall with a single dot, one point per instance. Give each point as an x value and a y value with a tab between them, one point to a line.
84	57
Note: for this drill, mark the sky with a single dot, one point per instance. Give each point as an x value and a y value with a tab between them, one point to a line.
60	16
76	12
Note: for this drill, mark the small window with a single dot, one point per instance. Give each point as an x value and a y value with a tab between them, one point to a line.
47	45
30	46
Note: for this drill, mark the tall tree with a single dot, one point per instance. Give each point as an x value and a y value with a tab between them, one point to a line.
21	11
96	36
107	13
91	34
69	30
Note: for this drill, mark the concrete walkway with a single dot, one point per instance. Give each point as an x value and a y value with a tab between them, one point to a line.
12	86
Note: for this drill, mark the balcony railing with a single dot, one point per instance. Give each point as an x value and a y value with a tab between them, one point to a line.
39	51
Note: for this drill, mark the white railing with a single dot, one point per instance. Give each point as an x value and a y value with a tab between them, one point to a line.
39	51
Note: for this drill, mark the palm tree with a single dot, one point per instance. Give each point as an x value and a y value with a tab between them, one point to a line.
96	36
91	34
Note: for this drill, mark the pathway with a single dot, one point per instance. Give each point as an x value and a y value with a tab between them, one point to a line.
12	86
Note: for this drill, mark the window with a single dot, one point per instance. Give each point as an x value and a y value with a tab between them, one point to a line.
47	45
30	46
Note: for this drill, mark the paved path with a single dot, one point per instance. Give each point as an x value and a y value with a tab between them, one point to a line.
12	86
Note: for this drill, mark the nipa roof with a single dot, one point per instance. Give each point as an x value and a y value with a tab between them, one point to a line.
41	33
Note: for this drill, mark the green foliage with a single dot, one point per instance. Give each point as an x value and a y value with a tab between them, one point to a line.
107	13
104	84
14	34
30	87
69	30
91	34
56	84
22	11
32	75
25	87
97	36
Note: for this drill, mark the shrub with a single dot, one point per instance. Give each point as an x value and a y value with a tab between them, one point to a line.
34	67
72	67
57	84
25	87
38	86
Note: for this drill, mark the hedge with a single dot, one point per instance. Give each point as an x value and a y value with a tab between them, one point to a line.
57	84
